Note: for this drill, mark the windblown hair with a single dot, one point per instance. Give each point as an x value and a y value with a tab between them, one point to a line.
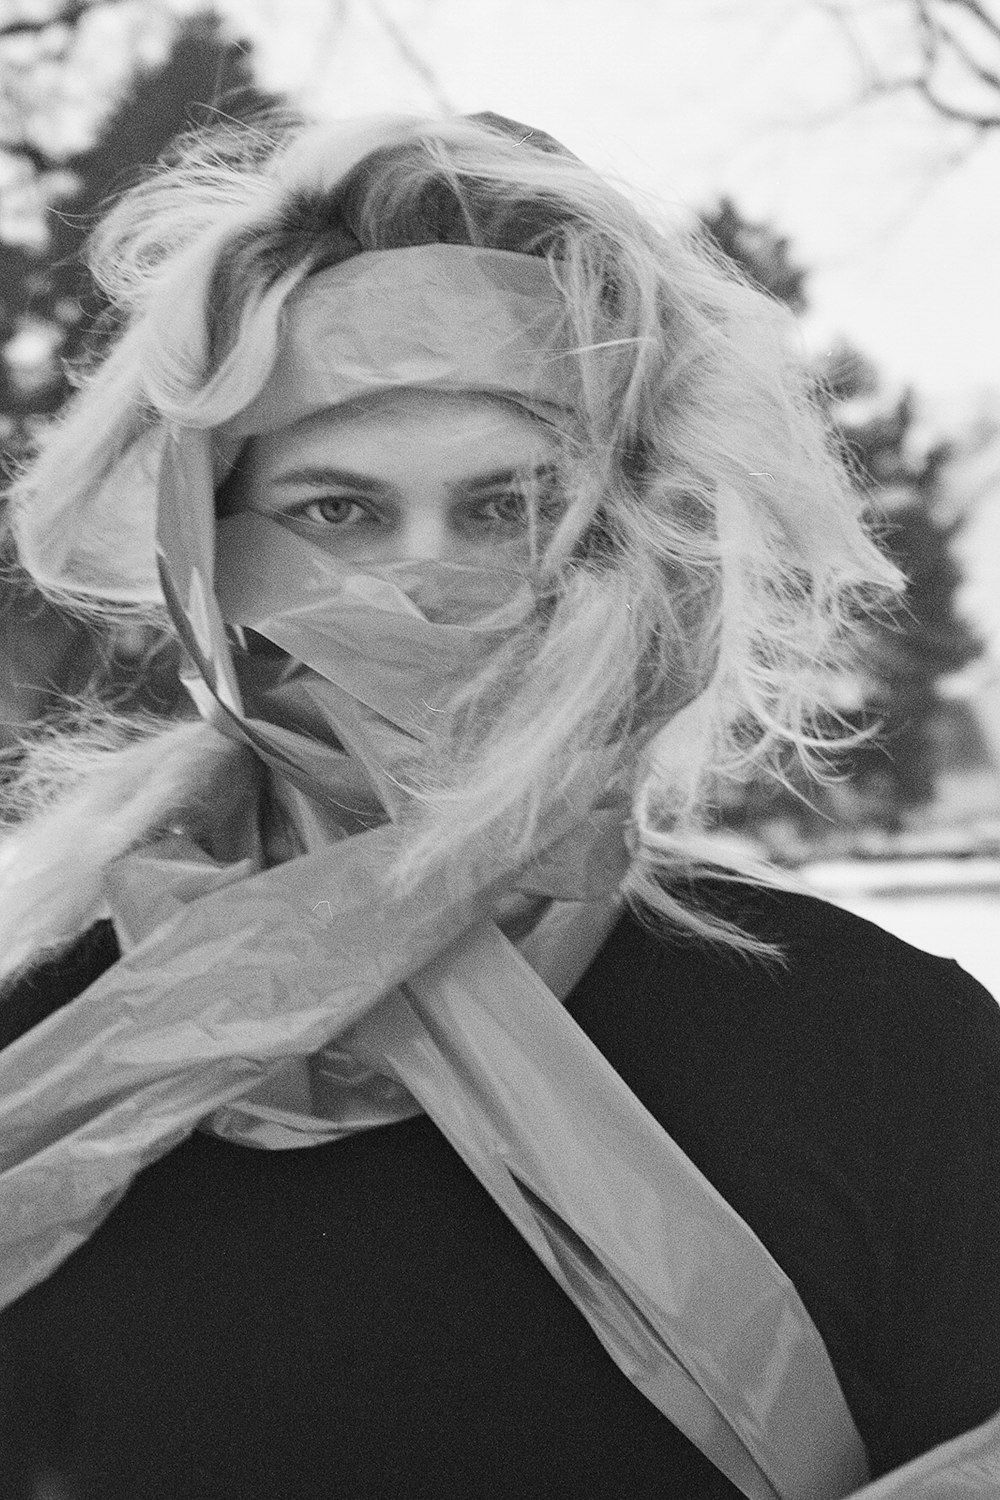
707	573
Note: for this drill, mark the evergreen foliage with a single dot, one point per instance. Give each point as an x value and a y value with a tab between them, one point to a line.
906	655
50	289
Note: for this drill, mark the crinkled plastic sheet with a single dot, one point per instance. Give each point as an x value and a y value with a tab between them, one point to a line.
287	1005
233	974
238	984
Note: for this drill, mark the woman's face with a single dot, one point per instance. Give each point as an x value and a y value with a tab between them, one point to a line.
410	475
406	475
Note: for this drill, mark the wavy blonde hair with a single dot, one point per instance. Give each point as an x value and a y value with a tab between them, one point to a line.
708	570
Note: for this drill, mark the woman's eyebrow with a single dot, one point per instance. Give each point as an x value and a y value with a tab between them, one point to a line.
365	484
516	472
323	474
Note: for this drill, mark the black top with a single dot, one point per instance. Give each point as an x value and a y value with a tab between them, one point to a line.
359	1321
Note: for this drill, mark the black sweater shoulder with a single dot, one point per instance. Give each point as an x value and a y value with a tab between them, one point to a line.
847	1105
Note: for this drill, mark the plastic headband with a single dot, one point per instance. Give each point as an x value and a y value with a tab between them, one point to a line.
442	317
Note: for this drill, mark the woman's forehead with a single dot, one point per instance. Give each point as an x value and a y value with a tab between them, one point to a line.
438	426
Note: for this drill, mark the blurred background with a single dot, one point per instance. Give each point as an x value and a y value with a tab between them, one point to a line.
845	153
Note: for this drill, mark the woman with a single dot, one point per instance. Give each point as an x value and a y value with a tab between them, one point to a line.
498	534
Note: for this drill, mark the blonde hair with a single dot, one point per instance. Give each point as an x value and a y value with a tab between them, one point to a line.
706	574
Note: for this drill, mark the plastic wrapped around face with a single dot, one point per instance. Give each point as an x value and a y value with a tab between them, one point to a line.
376	660
367	652
291	1004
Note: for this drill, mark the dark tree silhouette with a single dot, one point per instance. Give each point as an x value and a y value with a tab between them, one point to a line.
45	654
763	256
907	653
205	74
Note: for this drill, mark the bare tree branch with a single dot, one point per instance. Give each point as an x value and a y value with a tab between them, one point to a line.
992	23
927	31
412	57
978	119
936	41
67	16
977	68
936	38
982	120
29	153
874	85
842	22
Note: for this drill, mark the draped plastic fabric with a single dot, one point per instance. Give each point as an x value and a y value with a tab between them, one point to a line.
286	1005
679	1290
237	1003
232	974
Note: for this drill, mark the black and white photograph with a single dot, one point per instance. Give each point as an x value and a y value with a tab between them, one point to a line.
499	750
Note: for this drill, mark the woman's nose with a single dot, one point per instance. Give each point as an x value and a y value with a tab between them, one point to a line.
428	538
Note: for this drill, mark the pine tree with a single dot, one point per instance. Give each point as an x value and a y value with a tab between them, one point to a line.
46	654
905	655
205	73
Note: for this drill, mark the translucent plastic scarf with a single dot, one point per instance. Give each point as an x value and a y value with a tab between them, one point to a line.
287	1005
281	1007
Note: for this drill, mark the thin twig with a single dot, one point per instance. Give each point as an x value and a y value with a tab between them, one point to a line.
979	69
992	23
412	57
67	16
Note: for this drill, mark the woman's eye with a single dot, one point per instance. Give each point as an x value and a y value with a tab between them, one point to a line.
513	507
509	509
333	510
